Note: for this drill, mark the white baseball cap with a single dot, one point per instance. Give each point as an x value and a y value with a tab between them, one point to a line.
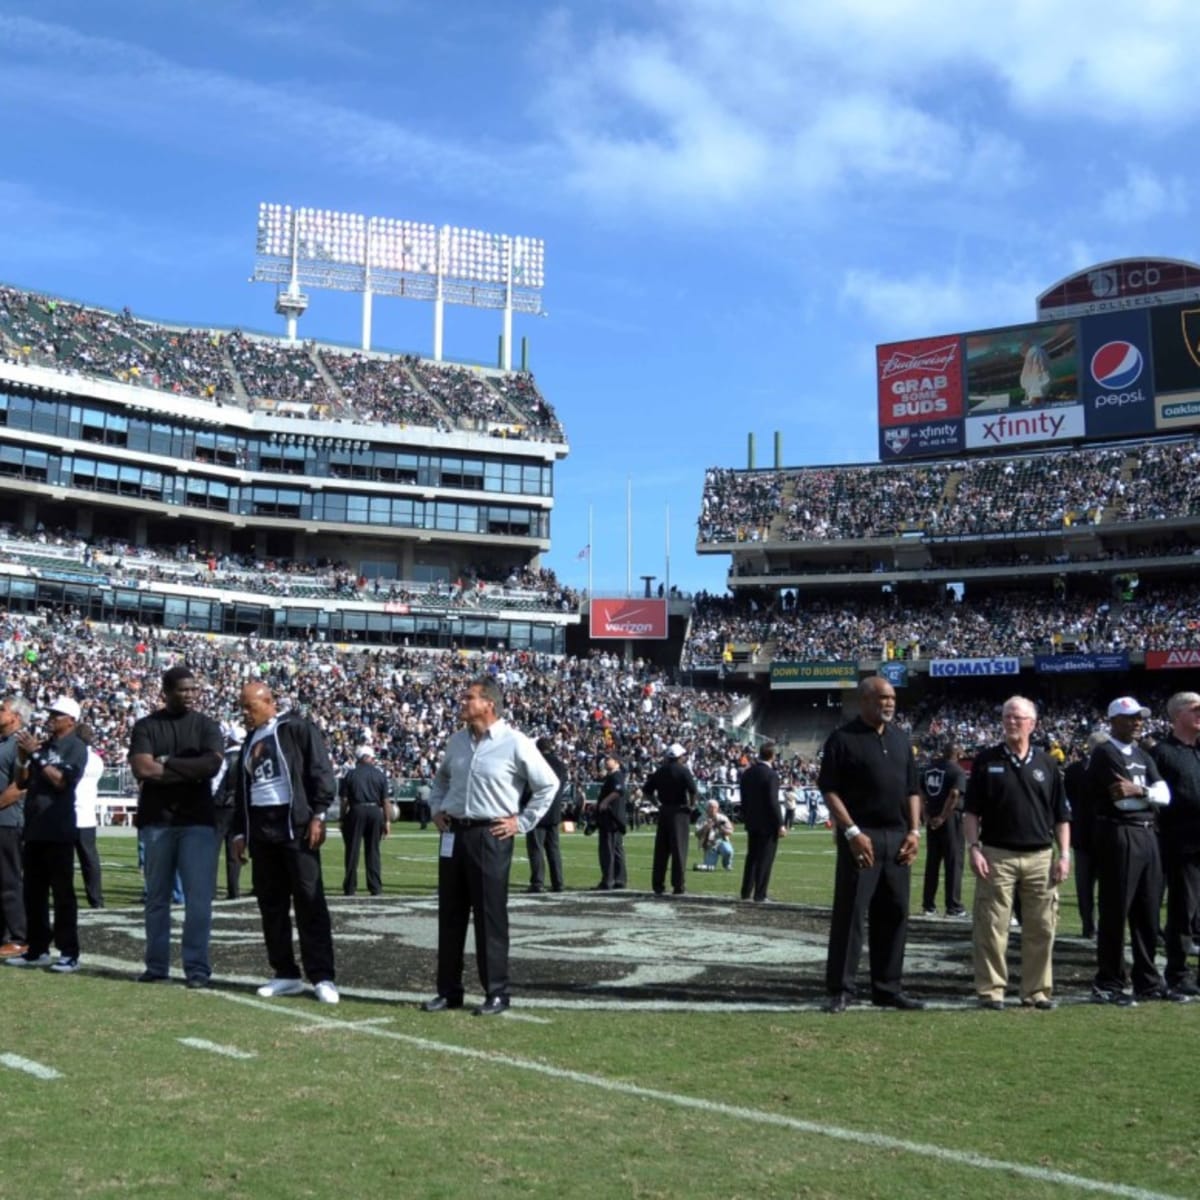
66	706
1127	706
675	750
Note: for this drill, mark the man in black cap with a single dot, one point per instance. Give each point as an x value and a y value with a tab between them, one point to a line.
674	788
48	771
1127	790
365	820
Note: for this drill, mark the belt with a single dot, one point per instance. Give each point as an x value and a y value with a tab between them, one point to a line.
471	823
1126	824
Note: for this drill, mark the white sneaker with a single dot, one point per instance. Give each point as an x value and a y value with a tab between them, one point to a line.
327	992
26	960
64	965
282	987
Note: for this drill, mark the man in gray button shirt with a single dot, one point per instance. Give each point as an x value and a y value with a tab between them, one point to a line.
475	800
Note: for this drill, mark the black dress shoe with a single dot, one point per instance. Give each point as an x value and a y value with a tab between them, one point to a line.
441	1004
900	1000
989	1003
837	1003
532	890
493	1006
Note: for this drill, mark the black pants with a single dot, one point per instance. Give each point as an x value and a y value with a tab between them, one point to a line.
12	890
944	845
878	897
1183	909
362	826
1129	872
671	842
760	858
50	870
473	881
1085	887
542	848
233	868
287	872
89	866
611	845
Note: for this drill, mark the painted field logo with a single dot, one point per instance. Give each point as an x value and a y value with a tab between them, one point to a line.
1117	365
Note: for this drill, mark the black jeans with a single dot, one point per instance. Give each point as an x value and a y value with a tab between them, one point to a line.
50	870
287	872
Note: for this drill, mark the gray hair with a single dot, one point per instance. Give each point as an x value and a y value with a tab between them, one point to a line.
1020	702
1181	701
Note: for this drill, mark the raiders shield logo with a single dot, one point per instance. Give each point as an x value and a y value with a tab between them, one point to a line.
934	779
1190	317
896	439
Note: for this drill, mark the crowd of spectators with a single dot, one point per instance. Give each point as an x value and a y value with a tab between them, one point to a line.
405	703
817	629
477	585
1017	493
229	367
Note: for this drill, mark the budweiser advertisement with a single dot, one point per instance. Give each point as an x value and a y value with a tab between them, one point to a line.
640	619
920	381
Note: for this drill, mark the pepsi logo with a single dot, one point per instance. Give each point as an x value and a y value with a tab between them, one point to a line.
1116	365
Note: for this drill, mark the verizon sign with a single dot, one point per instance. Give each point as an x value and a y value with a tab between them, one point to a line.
639	619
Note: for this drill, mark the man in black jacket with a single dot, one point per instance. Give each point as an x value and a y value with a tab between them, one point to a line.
611	823
48	771
764	822
175	753
1178	759
541	842
285	786
365	820
674	788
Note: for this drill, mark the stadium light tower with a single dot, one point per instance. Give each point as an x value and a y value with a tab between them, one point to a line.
384	256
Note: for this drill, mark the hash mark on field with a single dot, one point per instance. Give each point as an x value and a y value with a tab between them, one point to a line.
859	1137
36	1069
214	1048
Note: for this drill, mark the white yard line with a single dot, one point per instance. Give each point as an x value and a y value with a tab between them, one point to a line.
214	1048
36	1069
858	1137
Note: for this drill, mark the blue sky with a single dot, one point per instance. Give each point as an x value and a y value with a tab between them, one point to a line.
739	198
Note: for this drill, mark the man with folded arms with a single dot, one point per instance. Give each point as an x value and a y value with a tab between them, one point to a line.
476	798
1018	841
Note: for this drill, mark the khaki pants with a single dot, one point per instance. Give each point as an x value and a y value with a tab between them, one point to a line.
1026	872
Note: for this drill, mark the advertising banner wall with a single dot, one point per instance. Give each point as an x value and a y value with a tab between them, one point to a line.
1022	428
1117	376
1128	283
790	676
1070	664
914	441
628	619
1169	660
1175	337
920	381
949	668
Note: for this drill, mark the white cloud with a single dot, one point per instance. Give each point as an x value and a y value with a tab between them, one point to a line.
1142	196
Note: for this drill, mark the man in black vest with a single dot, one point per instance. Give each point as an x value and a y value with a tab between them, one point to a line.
764	822
942	786
365	820
1127	790
541	842
674	788
869	781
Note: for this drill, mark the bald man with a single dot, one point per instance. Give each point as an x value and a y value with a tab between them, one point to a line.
285	784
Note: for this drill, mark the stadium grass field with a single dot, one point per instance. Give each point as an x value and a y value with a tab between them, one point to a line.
373	1098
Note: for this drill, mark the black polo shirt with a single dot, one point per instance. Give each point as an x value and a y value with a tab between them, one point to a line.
1109	763
873	773
1018	801
938	780
1179	765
